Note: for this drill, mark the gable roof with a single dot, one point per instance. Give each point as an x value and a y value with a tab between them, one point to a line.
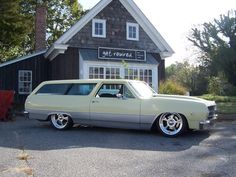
22	58
60	45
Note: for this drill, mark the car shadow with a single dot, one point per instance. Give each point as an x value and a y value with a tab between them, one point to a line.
33	135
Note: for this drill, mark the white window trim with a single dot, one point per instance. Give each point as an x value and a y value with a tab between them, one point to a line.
128	24
104	28
154	69
104	71
24	93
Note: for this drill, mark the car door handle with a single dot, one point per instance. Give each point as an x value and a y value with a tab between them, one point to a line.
95	101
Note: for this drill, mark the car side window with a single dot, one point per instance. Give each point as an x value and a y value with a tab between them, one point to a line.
111	91
81	89
127	93
54	89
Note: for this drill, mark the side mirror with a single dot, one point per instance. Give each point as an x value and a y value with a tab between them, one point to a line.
119	96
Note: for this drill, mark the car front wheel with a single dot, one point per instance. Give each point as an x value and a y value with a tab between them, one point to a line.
61	121
171	124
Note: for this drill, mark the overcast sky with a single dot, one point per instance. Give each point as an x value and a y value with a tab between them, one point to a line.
175	18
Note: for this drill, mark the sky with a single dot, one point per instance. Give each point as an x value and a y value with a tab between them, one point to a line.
174	19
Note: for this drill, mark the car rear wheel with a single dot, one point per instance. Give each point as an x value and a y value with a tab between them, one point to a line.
61	121
171	124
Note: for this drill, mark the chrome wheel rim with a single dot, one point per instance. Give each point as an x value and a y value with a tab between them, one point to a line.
60	121
171	123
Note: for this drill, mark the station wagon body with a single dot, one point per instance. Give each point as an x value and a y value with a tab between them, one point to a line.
117	103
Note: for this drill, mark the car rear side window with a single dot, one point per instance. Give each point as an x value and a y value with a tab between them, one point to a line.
81	89
54	89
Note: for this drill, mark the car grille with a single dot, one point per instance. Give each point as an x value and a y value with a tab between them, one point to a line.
212	112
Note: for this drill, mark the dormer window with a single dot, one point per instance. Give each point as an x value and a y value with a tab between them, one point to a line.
99	28
132	31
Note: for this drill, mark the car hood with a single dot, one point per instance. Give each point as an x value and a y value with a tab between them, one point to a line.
187	98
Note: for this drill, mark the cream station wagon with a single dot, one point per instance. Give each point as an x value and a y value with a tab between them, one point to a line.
117	103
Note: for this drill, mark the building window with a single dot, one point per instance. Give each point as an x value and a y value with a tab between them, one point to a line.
24	82
99	28
96	72
146	75
139	74
132	31
118	72
104	73
112	73
131	74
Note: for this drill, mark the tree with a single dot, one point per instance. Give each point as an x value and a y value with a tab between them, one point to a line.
182	73
217	43
61	15
14	29
194	78
18	20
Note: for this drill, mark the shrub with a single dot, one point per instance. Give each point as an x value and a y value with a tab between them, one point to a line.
220	86
229	89
172	87
215	86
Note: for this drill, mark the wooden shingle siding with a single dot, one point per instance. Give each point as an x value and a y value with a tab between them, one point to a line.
9	74
116	17
161	66
66	66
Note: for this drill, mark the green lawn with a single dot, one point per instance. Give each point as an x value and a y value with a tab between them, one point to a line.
225	104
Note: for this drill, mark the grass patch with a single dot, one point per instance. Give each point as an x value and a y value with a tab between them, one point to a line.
227	108
225	104
217	98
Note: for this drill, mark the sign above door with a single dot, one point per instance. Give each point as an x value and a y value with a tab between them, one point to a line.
121	54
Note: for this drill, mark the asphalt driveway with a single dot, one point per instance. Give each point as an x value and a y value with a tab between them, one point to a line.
31	148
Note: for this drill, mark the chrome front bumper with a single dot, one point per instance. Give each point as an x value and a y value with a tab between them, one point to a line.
208	123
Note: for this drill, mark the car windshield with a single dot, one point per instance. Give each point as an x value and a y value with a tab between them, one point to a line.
143	89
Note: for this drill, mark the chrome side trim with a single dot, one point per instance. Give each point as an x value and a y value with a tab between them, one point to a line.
126	121
43	114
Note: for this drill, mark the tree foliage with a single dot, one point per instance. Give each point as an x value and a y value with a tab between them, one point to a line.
14	29
17	23
217	43
62	14
215	86
194	78
171	87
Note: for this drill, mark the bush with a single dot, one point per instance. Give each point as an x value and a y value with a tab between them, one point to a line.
215	86
220	86
172	87
229	89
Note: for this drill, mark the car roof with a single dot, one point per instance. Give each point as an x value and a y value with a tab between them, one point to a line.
88	81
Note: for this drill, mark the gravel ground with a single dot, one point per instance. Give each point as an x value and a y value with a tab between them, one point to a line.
31	148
